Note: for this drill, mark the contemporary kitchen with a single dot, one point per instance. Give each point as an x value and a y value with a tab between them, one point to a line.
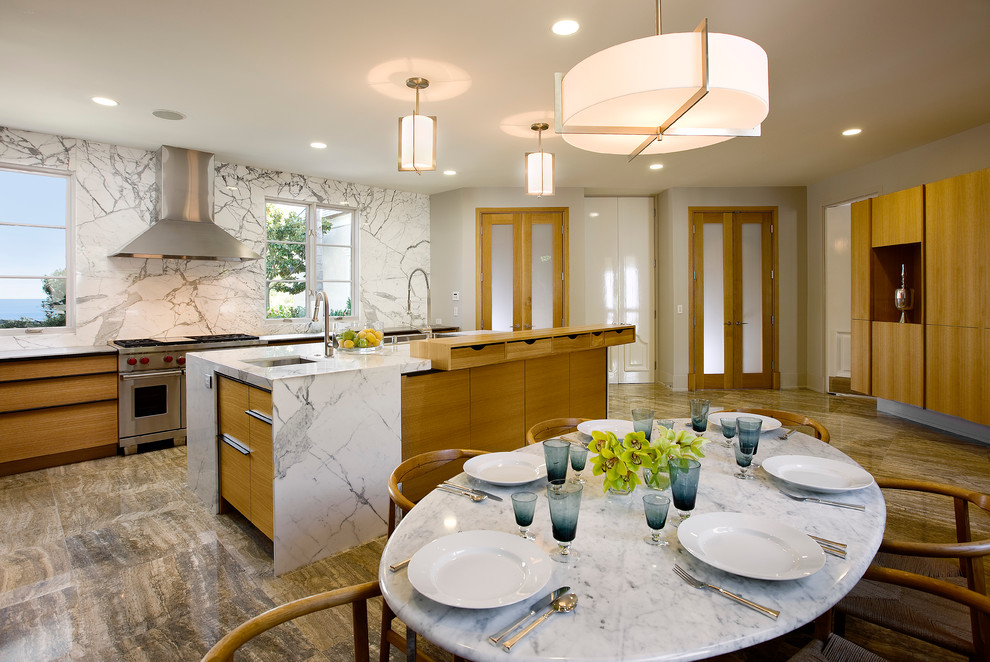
229	314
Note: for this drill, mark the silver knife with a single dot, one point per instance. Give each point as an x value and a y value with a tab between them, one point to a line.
537	606
494	497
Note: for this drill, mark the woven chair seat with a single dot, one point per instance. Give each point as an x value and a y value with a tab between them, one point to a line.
836	649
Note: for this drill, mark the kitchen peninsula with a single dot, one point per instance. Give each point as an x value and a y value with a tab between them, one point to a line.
339	426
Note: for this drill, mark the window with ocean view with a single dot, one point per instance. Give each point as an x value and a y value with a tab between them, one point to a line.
35	224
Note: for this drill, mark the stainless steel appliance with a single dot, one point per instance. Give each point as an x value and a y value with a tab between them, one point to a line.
151	391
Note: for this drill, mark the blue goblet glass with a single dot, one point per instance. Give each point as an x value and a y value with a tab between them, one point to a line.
556	452
565	504
684	477
655	506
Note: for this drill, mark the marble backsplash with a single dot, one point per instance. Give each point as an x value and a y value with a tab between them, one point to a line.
115	200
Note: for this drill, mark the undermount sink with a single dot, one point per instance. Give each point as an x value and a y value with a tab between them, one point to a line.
280	361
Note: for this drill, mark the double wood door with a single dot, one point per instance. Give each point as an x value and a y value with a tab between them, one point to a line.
522	268
733	339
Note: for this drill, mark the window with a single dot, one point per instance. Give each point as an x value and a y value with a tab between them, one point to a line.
35	229
310	247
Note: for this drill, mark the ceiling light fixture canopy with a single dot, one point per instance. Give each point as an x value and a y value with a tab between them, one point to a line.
539	166
417	136
666	93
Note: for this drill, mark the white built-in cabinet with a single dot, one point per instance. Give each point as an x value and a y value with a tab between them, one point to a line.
619	280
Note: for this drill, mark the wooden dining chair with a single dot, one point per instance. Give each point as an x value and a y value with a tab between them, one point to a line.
789	418
356	596
961	627
552	428
411	481
834	648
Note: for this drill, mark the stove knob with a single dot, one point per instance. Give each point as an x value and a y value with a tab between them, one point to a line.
182	360
131	361
167	359
144	360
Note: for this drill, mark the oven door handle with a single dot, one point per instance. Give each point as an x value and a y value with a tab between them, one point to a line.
158	373
236	445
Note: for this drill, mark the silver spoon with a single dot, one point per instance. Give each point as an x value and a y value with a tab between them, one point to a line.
474	497
562	604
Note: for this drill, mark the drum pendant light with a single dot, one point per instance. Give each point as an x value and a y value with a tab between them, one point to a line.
417	136
666	93
539	166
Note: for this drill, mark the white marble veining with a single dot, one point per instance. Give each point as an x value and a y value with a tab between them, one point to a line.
631	606
115	200
337	436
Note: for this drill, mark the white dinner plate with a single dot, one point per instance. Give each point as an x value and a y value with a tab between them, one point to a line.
619	427
479	569
750	545
506	468
769	423
817	473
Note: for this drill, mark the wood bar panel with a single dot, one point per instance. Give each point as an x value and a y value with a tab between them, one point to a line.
498	408
860	256
899	362
860	339
589	384
956	365
898	218
39	432
547	389
57	391
57	367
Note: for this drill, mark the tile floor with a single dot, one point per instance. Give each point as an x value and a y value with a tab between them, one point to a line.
115	559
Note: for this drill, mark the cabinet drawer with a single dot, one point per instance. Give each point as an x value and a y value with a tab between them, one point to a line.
260	400
234	400
520	349
472	355
262	477
571	343
235	478
619	336
41	368
42	432
57	391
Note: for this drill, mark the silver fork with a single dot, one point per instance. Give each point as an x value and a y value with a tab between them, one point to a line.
466	495
697	583
838	504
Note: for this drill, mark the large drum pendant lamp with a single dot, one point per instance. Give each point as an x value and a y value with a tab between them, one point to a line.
417	136
665	93
539	166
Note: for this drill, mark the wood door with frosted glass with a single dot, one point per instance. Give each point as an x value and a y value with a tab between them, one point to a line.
522	268
733	316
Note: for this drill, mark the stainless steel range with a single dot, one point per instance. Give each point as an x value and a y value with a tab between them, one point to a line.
151	391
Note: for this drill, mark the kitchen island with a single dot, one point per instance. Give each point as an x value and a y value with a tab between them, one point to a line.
336	436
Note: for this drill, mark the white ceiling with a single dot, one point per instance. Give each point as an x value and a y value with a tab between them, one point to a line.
259	80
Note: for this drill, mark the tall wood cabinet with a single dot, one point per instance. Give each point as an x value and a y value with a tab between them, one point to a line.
957	291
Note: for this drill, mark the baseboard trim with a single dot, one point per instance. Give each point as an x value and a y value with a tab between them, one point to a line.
933	419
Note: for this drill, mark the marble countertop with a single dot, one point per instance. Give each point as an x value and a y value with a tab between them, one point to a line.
55	352
248	363
632	608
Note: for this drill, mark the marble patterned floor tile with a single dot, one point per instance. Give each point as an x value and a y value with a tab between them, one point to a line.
80	515
29	572
39	629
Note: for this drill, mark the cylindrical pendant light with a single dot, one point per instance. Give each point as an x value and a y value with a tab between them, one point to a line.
417	136
539	166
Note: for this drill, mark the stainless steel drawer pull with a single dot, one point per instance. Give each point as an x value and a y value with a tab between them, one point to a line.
151	373
258	415
236	445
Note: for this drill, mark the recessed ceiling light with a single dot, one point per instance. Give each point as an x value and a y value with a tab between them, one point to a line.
104	101
318	145
852	132
164	114
565	27
450	172
593	214
656	166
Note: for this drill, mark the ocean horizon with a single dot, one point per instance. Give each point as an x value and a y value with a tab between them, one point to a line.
15	309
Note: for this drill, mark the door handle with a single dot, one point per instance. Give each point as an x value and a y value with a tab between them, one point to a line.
728	323
151	373
515	326
527	326
235	444
738	323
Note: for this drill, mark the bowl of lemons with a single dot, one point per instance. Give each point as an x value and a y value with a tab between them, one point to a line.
358	337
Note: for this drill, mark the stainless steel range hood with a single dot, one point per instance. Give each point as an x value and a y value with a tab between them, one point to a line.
185	229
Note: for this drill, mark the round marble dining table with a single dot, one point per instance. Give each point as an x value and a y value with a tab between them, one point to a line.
632	607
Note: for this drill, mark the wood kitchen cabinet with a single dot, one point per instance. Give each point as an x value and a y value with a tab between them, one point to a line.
246	452
899	218
899	362
57	410
956	361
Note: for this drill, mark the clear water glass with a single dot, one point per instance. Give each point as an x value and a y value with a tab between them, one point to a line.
684	477
643	421
565	505
699	414
579	458
524	508
666	423
656	506
556	452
